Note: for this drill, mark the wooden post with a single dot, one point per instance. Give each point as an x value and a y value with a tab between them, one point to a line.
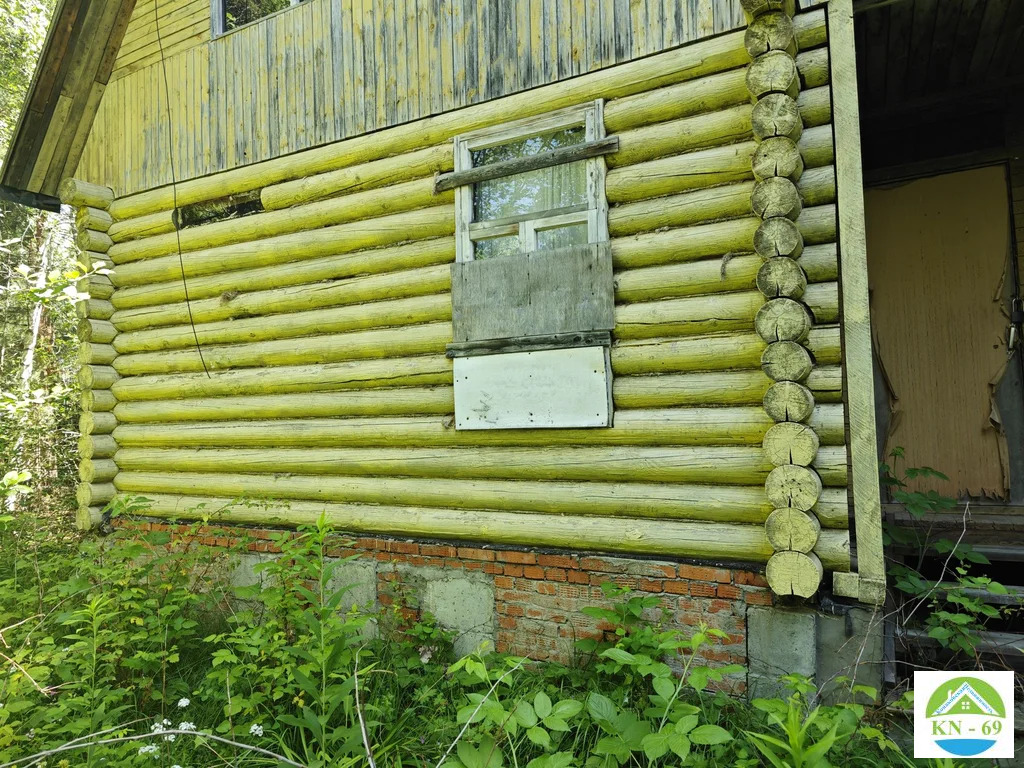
96	353
856	323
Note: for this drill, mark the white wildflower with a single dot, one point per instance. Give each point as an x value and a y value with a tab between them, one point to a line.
256	729
183	702
149	749
186	726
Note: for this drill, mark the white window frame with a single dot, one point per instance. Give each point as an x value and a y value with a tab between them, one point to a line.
594	213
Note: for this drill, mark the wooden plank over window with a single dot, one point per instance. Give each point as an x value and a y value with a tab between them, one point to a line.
563	291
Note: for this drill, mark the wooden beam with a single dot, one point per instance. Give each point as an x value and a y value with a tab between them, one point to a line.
606	146
856	322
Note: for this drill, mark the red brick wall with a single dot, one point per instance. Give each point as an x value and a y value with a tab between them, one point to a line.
538	596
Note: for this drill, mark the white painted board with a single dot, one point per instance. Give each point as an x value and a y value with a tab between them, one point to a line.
522	390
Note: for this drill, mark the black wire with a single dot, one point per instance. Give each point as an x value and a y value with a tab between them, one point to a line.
174	181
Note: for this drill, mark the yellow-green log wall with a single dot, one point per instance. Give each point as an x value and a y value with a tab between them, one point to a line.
323	323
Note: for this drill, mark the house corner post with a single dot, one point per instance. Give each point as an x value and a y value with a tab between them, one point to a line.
869	586
793	487
96	444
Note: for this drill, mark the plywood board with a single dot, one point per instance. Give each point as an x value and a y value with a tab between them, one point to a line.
565	291
517	390
937	252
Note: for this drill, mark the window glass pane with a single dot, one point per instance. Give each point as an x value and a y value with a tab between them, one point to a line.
496	247
563	237
542	190
556	187
240	12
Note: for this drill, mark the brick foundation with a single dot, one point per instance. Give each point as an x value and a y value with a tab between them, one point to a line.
538	595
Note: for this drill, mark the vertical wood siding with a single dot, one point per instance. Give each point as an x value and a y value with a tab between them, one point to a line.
331	69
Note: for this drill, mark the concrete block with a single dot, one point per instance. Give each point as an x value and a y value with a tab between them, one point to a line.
360	576
243	572
464	605
849	645
779	642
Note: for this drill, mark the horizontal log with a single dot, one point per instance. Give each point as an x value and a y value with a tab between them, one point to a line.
688	316
817	224
684	243
96	286
703	353
774	72
150	225
328	348
97	309
719	503
360	206
93	494
405	284
97	331
710	129
818	185
376	173
712	388
97	376
678	173
96	470
78	193
795	573
333	377
692	389
792	530
659	356
326	241
316	322
87	518
670	426
96	423
770	32
692	97
810	28
93	218
813	67
98	400
815	106
96	446
353	267
686	279
706	57
713	313
93	260
676	538
705	465
399	401
91	240
96	354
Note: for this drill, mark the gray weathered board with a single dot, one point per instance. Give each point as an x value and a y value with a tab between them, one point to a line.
523	390
566	291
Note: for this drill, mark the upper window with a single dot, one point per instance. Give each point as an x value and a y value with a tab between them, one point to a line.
231	14
532	195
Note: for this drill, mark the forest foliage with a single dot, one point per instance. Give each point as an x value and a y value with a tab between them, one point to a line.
38	275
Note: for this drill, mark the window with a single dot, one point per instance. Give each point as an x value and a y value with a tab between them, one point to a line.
540	187
232	14
532	289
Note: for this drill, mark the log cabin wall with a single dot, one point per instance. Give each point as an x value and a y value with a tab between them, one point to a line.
321	323
325	70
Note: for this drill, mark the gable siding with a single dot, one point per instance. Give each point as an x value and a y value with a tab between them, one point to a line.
331	69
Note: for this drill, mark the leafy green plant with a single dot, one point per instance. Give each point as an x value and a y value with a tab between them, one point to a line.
954	606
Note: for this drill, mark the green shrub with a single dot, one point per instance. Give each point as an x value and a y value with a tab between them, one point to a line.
136	652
